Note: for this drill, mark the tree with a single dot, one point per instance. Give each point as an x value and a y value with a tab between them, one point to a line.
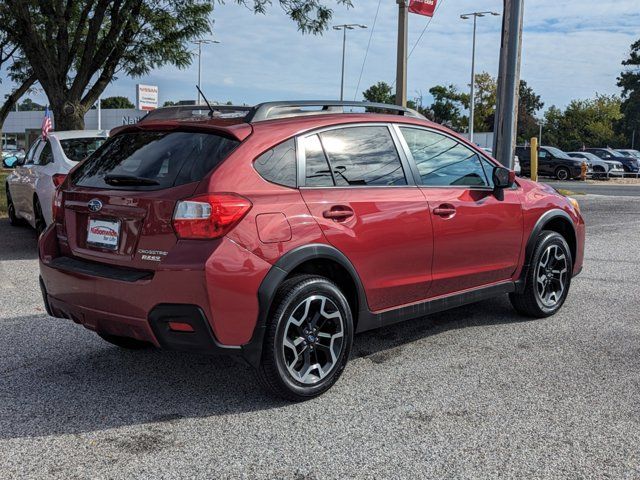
116	102
76	47
528	104
381	92
486	89
584	123
18	72
629	81
29	105
447	106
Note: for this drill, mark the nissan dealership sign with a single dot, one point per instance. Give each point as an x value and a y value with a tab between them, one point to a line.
146	97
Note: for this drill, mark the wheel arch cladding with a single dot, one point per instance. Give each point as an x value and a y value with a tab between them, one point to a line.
318	259
557	221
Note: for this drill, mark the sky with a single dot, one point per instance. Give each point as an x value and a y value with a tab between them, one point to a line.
571	50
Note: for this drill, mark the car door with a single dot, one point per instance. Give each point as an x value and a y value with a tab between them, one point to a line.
546	164
31	174
477	233
21	194
360	191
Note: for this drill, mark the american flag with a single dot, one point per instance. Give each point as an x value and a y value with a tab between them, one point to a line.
46	123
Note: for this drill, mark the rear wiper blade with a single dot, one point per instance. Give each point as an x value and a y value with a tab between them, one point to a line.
114	179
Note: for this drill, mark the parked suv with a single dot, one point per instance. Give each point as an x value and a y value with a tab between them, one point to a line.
552	162
601	168
277	232
630	164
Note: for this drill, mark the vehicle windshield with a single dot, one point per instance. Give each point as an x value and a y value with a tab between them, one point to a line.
557	153
77	149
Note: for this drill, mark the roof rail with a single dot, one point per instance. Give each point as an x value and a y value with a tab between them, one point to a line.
273	110
186	112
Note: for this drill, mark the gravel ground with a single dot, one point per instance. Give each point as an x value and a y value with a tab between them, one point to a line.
476	392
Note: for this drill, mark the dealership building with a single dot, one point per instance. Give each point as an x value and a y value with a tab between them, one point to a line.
21	128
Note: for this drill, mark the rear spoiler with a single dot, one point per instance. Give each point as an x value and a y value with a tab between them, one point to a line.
237	131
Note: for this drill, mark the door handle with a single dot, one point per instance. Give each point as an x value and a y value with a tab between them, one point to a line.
445	210
338	214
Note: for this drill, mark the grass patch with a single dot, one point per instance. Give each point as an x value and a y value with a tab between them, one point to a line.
3	196
569	193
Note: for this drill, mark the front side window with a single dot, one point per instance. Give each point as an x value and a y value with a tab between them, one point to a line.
278	165
443	161
46	155
353	156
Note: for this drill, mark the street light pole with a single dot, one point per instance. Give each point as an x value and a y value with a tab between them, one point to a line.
200	42
472	102
344	28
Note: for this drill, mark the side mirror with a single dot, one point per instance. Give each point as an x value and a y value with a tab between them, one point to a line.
503	177
10	162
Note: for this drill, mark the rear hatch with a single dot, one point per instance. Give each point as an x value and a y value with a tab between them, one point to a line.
118	205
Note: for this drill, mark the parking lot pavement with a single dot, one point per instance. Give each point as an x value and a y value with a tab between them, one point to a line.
477	392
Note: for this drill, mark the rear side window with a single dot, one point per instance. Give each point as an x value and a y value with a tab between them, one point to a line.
46	155
77	149
157	159
357	156
278	165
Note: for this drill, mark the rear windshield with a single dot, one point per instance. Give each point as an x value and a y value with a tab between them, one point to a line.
77	149
157	159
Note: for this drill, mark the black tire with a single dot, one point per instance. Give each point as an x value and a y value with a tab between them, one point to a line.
563	173
299	295
11	211
41	223
530	302
125	342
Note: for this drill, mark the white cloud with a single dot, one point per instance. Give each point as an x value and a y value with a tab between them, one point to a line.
571	50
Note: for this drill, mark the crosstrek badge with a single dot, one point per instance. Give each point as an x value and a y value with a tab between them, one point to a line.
423	7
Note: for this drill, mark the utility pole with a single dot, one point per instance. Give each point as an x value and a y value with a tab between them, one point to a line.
401	70
200	42
472	99
508	83
344	28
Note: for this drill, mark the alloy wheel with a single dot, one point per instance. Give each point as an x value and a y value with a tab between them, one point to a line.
313	339
551	276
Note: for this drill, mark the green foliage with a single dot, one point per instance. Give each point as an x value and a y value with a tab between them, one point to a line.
629	81
588	123
447	106
528	104
485	102
77	47
29	105
116	102
381	92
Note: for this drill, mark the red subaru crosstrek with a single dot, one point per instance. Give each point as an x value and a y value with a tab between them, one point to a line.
279	231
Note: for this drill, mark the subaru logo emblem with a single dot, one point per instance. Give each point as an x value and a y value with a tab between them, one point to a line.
95	205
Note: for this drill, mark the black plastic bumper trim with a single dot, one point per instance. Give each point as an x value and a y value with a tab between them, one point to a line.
84	267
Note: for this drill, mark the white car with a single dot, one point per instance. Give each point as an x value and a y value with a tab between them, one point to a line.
31	185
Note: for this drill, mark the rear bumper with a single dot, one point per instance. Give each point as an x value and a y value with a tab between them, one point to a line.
218	296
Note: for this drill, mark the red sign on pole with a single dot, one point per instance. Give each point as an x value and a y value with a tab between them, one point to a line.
423	7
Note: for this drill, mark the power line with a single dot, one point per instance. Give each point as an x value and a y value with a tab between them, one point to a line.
373	27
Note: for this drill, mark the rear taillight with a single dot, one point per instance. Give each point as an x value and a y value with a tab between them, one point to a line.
57	206
58	178
209	216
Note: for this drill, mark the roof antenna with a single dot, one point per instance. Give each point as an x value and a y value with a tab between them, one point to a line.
205	101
